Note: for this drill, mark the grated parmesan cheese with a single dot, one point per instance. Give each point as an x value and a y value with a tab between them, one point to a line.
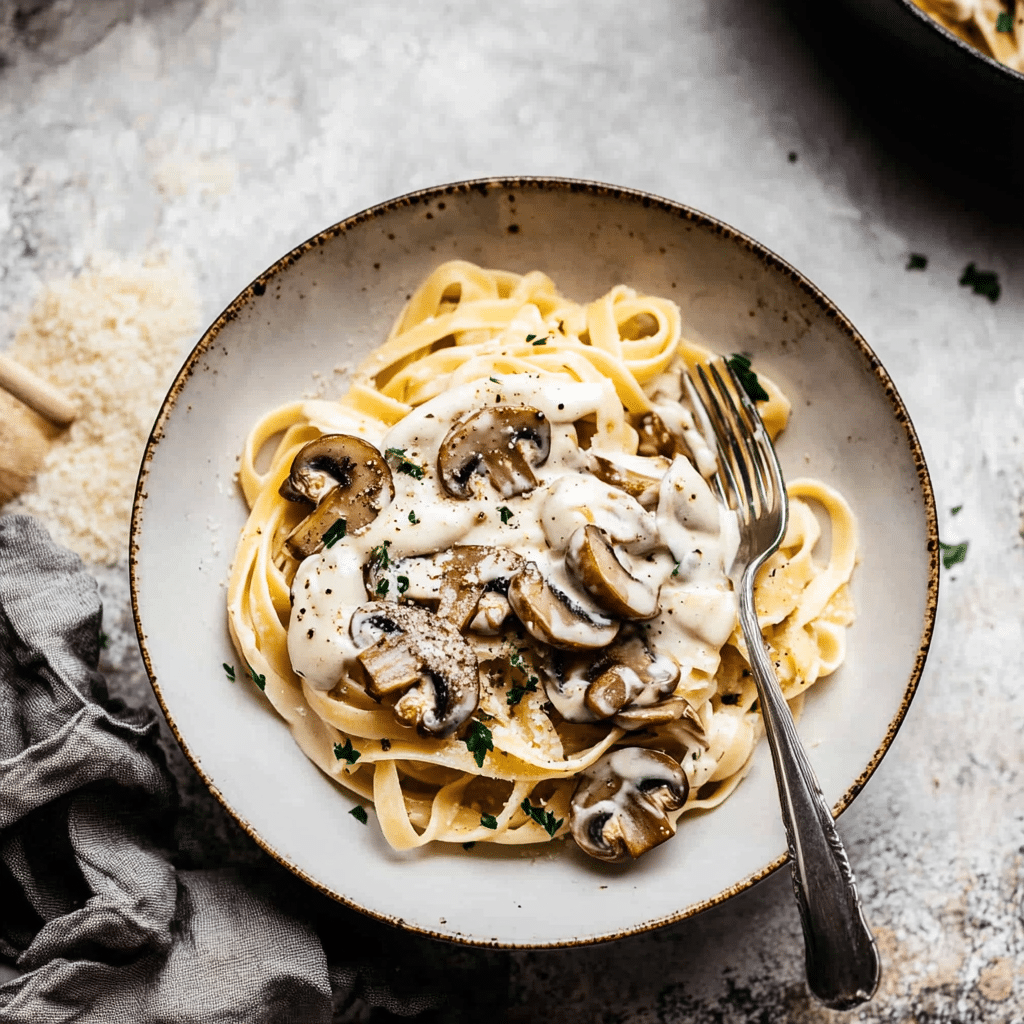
111	339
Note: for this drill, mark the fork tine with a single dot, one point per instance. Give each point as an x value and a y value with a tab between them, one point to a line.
769	457
719	432
729	433
747	428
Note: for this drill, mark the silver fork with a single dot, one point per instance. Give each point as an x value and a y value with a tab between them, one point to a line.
842	960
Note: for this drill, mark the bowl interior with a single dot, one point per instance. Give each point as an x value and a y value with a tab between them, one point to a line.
332	301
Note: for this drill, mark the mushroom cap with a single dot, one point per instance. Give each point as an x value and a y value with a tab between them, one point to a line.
501	442
553	617
620	807
345	477
453	581
591	558
640	480
627	682
413	650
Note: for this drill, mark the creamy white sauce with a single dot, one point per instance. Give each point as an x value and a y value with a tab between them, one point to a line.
683	548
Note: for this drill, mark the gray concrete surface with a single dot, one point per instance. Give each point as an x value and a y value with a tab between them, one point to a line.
229	130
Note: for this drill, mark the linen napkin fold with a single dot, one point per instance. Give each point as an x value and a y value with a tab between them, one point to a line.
92	908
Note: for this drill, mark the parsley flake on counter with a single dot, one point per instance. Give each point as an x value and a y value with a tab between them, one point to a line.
953	511
382	587
229	670
413	519
260	681
359	813
346	752
740	365
917	262
1004	23
104	640
488	821
404	465
335	532
982	282
478	742
953	554
545	819
506	513
403	584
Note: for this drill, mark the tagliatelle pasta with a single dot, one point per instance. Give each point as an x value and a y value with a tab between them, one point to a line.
995	27
488	589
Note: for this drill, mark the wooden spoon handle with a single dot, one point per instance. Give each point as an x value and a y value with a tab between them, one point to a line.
36	393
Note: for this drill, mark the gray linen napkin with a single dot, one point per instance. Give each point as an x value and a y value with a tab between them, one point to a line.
92	909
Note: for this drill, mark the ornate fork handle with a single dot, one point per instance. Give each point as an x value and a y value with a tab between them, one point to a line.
842	959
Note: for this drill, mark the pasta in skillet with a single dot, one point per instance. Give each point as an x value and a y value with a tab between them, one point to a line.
488	591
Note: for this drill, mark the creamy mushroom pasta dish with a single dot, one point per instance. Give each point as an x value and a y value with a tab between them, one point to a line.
995	27
488	589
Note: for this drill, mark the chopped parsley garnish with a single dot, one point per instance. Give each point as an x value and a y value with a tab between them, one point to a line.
335	532
379	556
917	262
545	819
517	693
488	821
104	640
953	511
675	571
346	752
260	681
952	554
403	584
413	519
494	380
479	741
229	670
382	587
983	282
696	755
1004	23
359	813
740	365
506	513
530	337
404	465
540	341
520	690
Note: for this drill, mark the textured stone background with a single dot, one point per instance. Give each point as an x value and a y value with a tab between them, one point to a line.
229	130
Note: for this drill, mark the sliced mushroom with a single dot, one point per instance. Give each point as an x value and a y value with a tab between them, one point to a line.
620	807
345	478
410	649
452	582
592	560
627	681
553	617
656	438
502	443
641	479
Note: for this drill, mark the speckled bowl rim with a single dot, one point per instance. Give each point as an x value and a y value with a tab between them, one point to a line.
1009	74
587	188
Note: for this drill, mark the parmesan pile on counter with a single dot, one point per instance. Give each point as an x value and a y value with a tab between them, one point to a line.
111	339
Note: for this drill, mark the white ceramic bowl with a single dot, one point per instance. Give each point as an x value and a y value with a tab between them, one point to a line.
332	300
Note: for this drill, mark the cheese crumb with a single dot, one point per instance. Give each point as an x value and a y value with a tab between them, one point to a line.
111	339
